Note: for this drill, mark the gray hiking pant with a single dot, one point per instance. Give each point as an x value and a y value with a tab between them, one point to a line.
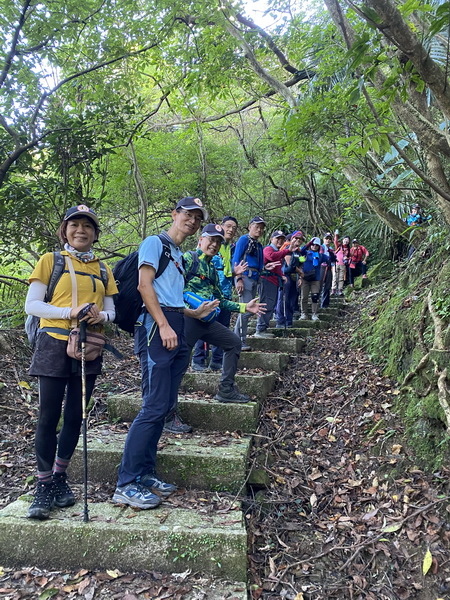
268	295
307	288
217	335
250	291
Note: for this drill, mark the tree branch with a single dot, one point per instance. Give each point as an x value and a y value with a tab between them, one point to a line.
14	42
256	66
96	67
269	40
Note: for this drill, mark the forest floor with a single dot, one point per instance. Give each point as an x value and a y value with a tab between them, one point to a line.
348	513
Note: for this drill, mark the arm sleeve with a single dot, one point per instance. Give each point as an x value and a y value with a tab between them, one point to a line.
239	250
271	255
109	312
35	305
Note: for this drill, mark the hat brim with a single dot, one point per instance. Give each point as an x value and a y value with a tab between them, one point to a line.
80	214
213	235
195	207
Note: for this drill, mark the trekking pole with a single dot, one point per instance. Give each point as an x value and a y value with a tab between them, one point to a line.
83	329
283	296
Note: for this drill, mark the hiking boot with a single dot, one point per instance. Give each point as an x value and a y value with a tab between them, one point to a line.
176	425
199	368
155	485
136	495
61	491
231	394
215	366
315	317
43	501
245	347
303	317
263	335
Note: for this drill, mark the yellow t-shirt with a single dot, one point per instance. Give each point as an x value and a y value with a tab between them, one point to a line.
89	289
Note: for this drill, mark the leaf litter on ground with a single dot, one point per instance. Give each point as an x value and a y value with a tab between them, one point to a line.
348	513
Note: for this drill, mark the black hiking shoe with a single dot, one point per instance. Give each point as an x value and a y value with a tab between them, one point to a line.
175	424
231	394
61	491
43	501
215	366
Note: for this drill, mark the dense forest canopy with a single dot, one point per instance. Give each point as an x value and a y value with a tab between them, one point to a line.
334	116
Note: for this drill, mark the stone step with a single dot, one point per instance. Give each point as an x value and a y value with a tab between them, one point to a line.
163	539
201	413
308	324
202	462
304	330
257	386
323	316
292	345
269	361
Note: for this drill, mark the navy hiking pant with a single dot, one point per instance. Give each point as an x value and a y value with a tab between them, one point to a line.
162	371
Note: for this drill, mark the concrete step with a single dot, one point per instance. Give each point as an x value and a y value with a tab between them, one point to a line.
201	413
304	330
269	361
202	462
308	324
323	316
256	386
164	539
292	345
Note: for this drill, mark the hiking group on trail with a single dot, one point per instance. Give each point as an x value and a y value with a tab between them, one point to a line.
178	305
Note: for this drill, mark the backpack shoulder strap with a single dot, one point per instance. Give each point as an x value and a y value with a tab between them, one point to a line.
103	274
193	269
166	257
59	263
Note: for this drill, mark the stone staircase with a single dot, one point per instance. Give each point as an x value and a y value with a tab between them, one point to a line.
213	458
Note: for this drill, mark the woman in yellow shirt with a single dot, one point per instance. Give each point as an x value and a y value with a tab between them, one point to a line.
59	375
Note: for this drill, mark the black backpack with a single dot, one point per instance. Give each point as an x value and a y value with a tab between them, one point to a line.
128	301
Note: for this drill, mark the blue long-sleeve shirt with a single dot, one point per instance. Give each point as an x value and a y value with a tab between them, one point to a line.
313	261
255	260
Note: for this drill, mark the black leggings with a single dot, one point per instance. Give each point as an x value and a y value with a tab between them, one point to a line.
51	395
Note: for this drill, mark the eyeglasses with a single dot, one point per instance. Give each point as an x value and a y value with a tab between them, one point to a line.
191	215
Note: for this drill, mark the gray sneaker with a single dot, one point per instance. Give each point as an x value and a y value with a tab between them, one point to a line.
315	317
245	347
231	394
136	495
303	317
199	368
155	485
263	335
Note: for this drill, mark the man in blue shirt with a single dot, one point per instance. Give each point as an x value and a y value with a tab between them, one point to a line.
250	250
162	350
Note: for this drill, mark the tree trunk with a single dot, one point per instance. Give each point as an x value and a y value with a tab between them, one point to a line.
140	191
